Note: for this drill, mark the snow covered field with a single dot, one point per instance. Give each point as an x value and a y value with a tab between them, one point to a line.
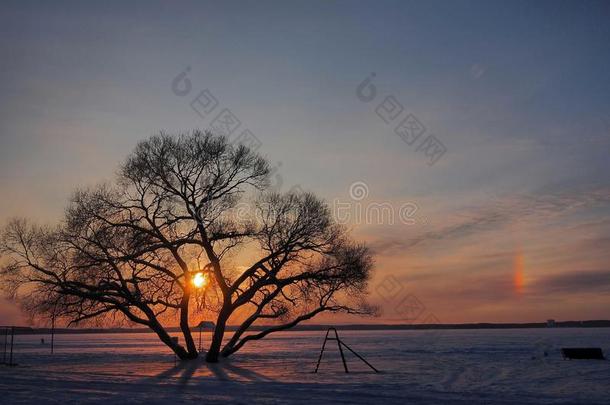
421	367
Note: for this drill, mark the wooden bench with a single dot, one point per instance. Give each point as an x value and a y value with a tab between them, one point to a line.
592	353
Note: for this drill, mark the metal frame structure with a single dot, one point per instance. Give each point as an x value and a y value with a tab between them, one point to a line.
8	351
340	344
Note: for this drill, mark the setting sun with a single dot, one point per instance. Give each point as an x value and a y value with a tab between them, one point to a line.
200	280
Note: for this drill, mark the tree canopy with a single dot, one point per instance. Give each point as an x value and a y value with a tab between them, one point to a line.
189	227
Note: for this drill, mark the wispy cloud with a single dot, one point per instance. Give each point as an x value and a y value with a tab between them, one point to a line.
498	212
588	281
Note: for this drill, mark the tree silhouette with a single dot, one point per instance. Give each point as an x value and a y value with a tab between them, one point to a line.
177	214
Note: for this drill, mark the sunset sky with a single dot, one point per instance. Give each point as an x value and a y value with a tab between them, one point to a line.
512	222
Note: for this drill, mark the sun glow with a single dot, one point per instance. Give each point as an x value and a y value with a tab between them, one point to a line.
200	280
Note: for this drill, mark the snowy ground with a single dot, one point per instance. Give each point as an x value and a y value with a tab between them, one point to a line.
419	367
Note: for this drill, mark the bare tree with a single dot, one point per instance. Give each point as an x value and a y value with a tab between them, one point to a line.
174	219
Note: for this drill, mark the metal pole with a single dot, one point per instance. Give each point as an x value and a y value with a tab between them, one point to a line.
10	362
360	357
200	338
5	342
52	333
341	351
322	351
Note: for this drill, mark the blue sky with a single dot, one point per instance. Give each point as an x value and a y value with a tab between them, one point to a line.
518	92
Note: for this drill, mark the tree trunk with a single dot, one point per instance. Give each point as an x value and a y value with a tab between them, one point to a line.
219	330
166	338
235	344
228	350
186	330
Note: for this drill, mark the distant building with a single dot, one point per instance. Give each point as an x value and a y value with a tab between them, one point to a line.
550	323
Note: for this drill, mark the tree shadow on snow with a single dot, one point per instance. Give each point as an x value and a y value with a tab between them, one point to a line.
184	371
